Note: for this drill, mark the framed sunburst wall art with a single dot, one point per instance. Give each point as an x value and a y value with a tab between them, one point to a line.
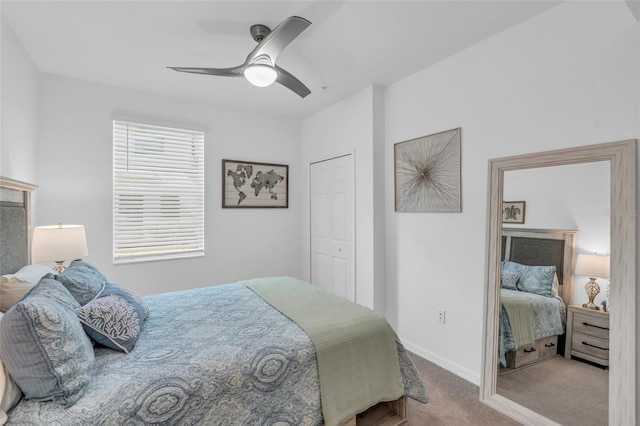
427	173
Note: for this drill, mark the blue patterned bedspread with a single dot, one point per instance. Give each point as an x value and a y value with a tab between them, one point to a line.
210	356
548	318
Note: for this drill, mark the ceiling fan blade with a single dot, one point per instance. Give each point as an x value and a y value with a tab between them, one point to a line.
275	42
290	82
225	72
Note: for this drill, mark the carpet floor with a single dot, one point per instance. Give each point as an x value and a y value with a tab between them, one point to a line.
453	401
569	392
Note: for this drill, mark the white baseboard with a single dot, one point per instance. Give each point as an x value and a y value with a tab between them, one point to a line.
458	370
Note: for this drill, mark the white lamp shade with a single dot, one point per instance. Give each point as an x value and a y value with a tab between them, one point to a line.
58	243
260	75
592	265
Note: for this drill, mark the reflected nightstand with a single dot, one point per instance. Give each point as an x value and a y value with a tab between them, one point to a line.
587	335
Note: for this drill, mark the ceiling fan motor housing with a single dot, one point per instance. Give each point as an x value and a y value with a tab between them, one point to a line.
259	32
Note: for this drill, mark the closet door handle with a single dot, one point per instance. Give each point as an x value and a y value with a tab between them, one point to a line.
594	346
595	326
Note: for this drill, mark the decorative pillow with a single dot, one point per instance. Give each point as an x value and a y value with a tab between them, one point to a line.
135	298
509	279
114	318
44	347
83	281
533	279
10	393
13	287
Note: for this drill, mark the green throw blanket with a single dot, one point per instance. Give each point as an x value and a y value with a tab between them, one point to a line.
355	347
519	314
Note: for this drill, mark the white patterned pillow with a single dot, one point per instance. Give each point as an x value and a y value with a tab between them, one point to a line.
114	318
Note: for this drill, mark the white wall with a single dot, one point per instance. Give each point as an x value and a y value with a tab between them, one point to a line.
573	196
565	78
19	107
74	157
349	127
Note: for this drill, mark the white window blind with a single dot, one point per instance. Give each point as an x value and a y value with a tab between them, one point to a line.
158	192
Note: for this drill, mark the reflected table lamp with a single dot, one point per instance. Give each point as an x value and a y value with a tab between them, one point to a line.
592	266
57	243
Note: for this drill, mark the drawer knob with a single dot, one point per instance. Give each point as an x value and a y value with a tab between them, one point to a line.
549	345
529	350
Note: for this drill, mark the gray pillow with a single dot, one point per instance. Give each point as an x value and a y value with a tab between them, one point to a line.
83	280
31	337
533	279
114	318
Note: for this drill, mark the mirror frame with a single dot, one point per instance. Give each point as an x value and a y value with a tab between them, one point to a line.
623	212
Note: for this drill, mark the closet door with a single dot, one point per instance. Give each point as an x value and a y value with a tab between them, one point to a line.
332	225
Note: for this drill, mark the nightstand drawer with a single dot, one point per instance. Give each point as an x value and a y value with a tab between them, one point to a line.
590	345
591	325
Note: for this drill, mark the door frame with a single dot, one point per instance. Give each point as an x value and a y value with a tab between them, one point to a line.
346	153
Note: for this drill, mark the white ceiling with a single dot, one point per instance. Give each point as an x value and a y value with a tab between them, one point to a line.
350	44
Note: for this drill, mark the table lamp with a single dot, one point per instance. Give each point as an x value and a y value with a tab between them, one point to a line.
592	266
57	243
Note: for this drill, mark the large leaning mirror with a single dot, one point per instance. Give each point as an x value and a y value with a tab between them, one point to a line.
619	158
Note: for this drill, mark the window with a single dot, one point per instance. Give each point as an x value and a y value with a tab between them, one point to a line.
158	192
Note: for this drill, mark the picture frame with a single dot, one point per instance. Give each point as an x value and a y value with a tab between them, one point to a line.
513	211
249	184
427	173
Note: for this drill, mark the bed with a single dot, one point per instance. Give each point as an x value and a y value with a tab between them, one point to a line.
536	287
272	350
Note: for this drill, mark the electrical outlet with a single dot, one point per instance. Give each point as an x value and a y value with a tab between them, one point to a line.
441	316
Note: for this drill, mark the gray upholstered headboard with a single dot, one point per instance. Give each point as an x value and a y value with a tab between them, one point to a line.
543	247
15	224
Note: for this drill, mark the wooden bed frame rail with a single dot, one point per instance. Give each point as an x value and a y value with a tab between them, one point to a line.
390	413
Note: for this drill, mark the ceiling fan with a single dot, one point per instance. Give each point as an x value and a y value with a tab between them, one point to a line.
260	66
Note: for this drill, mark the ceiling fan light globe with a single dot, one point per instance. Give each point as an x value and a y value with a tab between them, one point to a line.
260	75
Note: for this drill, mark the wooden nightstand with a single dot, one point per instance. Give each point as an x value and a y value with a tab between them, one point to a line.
587	335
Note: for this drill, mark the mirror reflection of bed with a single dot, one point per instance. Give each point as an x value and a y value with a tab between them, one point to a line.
566	214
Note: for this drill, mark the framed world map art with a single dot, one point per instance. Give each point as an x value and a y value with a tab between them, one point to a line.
246	184
427	173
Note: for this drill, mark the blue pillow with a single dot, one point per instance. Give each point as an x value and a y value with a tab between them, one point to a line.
114	318
83	280
533	279
44	347
509	280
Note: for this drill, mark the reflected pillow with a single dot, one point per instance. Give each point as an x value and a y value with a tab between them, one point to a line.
509	280
114	318
44	347
556	286
533	279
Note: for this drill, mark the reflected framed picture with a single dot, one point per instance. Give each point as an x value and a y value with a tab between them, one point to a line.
247	184
513	211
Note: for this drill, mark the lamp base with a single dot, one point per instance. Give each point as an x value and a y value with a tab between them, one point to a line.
591	305
592	289
59	266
